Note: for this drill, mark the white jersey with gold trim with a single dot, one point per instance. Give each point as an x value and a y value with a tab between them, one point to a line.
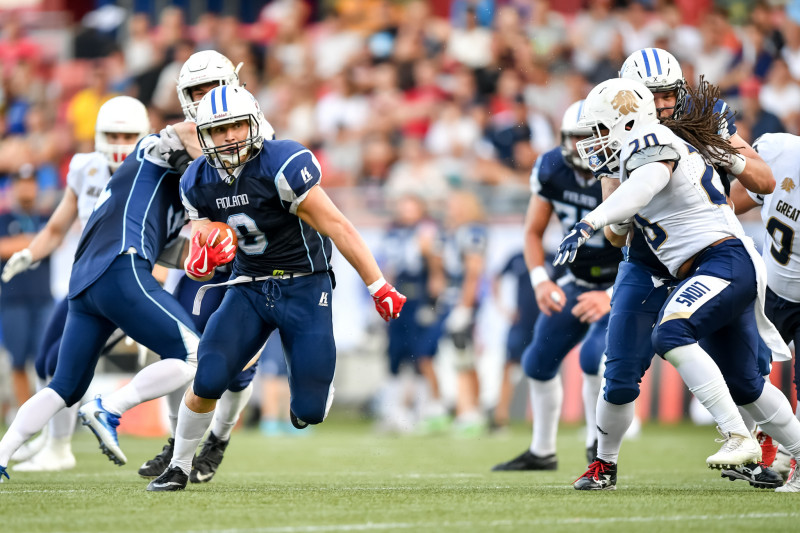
691	212
87	177
780	212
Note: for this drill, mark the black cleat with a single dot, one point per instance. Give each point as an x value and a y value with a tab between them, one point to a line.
591	453
171	480
207	461
601	475
296	422
528	461
758	475
155	467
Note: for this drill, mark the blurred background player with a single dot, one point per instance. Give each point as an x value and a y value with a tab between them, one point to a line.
283	278
121	123
779	211
406	254
522	317
572	309
25	302
457	274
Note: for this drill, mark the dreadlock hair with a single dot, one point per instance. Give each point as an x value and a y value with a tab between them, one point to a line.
699	124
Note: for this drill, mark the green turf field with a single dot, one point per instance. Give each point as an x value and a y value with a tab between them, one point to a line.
342	477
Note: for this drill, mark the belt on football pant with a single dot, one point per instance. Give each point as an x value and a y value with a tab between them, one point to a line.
198	299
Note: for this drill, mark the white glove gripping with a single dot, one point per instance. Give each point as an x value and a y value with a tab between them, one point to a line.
19	262
172	149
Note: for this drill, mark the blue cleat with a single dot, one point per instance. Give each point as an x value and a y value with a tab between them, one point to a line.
104	426
3	473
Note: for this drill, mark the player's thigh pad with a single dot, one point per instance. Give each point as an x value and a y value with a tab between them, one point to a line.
635	305
47	356
306	328
593	347
233	335
553	337
735	348
85	332
132	298
718	292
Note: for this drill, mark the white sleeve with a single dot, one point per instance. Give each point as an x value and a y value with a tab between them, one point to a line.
631	196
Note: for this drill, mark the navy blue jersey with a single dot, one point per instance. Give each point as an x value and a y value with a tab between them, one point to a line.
140	208
454	245
639	252
261	204
33	285
403	262
572	198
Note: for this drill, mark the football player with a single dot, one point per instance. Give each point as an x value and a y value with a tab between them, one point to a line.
407	250
574	308
269	191
779	211
199	74
672	191
642	284
136	216
121	123
456	272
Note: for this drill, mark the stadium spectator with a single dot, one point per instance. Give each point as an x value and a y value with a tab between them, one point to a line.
754	121
25	302
83	107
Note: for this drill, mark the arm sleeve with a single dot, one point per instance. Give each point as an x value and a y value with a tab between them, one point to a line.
631	196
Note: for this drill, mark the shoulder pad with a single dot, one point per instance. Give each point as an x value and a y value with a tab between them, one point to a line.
82	160
651	154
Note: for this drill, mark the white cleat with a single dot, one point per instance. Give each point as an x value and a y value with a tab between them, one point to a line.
736	450
104	426
793	483
47	460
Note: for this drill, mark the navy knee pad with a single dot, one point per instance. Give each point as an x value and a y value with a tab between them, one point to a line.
308	411
620	396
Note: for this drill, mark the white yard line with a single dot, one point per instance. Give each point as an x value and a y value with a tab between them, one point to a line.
376	526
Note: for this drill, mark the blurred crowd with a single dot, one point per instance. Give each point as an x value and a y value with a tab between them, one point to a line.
391	97
395	97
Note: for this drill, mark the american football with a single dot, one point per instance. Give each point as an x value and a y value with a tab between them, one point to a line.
206	230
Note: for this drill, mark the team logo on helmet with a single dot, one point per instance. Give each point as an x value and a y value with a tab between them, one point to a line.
625	102
787	185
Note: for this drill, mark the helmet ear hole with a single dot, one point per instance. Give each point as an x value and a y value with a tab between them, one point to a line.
629	125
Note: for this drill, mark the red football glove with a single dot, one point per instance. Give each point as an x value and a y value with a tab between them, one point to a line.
203	259
224	251
388	302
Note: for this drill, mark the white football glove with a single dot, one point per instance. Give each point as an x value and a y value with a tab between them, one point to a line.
19	262
733	163
169	142
459	319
